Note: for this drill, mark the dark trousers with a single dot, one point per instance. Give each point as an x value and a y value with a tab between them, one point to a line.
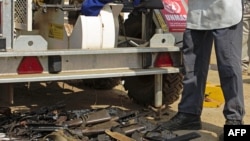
197	46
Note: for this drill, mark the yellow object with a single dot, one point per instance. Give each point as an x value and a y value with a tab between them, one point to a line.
213	96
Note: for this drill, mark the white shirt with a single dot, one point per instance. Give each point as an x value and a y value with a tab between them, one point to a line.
213	14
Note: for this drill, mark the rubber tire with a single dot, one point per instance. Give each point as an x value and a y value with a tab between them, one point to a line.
141	88
102	83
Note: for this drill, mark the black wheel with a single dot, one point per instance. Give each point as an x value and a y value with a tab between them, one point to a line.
141	88
102	83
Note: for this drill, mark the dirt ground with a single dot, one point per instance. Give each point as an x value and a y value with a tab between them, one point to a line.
77	97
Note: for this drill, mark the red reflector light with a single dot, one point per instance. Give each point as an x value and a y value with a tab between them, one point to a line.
163	60
30	65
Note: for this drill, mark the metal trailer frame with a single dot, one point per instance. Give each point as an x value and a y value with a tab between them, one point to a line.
79	63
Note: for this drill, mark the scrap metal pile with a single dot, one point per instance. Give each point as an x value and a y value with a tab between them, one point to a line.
54	123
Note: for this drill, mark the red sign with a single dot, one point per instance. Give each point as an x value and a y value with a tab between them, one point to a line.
175	15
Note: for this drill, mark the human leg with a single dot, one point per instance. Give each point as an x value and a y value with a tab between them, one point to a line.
197	46
228	53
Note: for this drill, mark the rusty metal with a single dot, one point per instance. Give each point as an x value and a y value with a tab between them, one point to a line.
133	128
118	136
99	128
107	123
98	117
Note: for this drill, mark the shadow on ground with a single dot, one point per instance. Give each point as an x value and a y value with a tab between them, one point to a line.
36	95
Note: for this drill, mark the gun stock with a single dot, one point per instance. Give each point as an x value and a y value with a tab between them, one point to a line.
97	117
99	128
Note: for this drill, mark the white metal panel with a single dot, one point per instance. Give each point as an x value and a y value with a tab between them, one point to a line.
108	36
126	50
7	22
162	40
81	64
116	10
85	75
30	43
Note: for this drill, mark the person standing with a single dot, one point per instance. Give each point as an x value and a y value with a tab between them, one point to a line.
218	23
246	39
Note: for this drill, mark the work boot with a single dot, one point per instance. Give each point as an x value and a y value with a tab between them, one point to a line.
182	121
230	122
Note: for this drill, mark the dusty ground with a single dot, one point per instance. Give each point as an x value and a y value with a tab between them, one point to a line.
79	98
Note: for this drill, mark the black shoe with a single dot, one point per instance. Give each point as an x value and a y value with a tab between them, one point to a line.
230	122
182	121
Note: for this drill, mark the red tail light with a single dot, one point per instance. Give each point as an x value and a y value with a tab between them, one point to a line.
30	65
163	60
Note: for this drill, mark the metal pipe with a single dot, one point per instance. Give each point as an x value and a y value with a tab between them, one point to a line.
158	90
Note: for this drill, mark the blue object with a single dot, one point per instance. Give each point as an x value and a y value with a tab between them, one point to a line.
93	7
136	2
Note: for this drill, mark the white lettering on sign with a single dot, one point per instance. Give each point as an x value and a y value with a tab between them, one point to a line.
236	132
174	17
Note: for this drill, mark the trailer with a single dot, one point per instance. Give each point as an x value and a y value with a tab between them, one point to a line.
50	40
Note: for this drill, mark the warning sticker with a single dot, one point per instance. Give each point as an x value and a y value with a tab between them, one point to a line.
56	31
